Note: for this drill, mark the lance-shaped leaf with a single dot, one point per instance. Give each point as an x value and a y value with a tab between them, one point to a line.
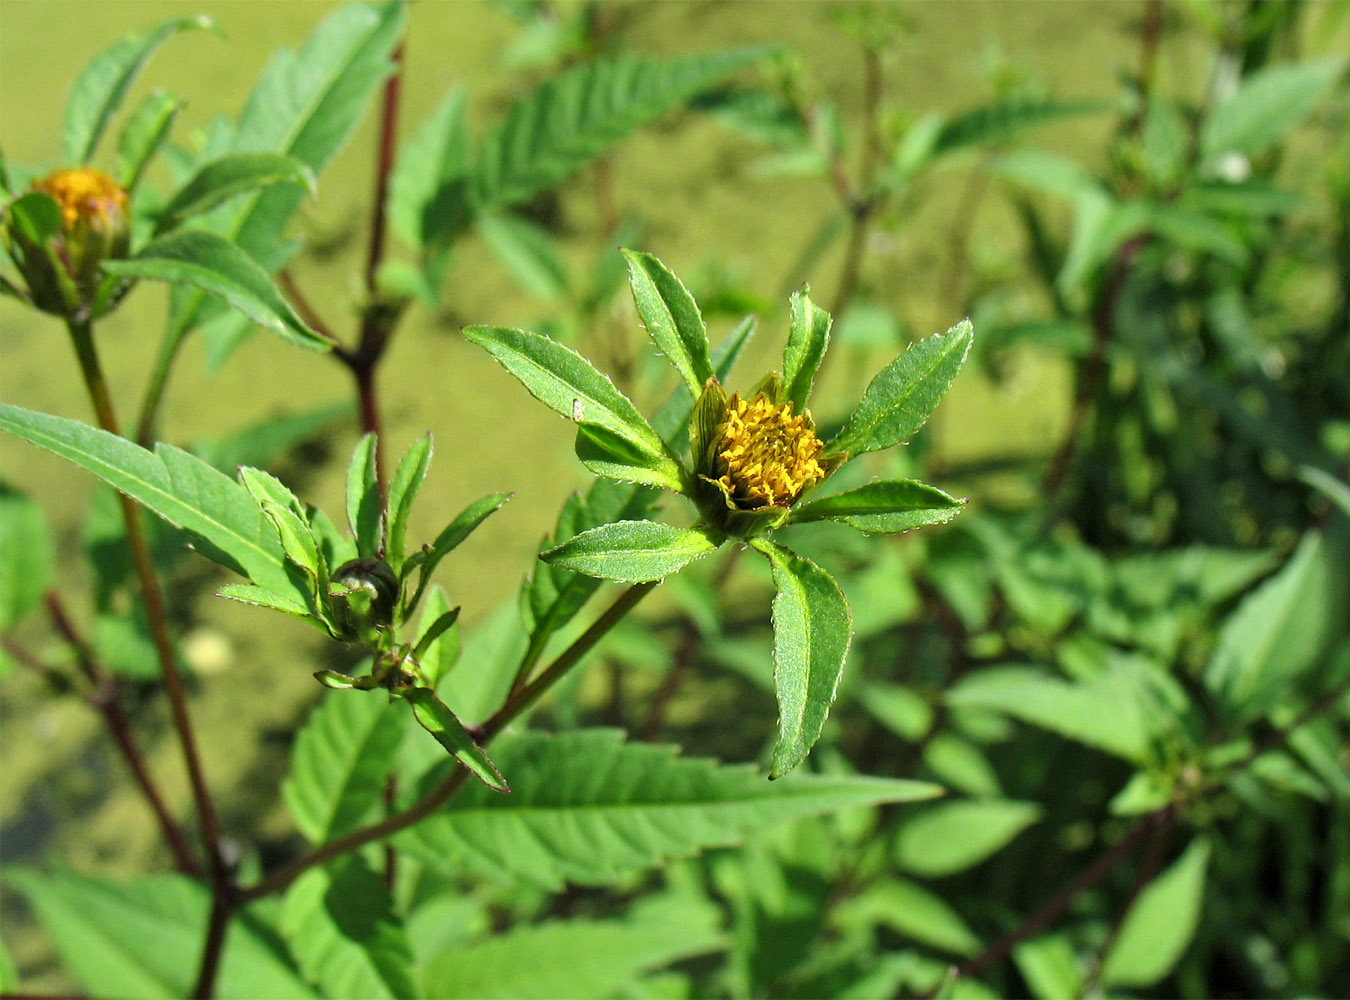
671	317
450	537
1160	924
428	192
103	84
904	393
365	516
562	379
885	505
408	478
216	266
574	116
143	134
287	515
440	722
632	551
339	762
588	807
808	338
340	925
812	628
175	485
1265	105
140	938
230	176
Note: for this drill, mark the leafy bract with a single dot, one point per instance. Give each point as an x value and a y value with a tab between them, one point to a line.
365	513
562	379
143	134
812	628
229	177
1160	924
561	960
25	555
429	557
142	938
575	116
904	393
438	638
178	487
216	266
807	341
885	505
586	807
633	551
671	317
433	716
339	922
339	762
952	836
408	478
101	87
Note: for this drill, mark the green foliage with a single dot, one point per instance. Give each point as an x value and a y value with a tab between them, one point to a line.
587	807
1160	924
634	551
26	569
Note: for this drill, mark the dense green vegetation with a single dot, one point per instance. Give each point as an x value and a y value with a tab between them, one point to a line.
1068	717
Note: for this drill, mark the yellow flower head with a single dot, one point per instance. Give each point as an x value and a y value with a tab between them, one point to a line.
767	455
85	195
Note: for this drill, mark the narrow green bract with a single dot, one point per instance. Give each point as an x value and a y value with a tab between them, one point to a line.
812	628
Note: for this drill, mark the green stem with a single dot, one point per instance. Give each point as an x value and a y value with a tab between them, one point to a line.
445	791
82	337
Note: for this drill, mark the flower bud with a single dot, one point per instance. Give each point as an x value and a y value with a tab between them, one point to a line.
362	598
95	226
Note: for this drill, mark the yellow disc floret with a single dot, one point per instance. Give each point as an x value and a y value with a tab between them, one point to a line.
84	195
766	454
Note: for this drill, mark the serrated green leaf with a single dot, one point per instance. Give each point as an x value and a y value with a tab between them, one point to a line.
341	756
449	538
288	516
671	317
560	960
144	133
950	837
141	938
562	379
1265	106
1282	628
365	515
884	505
901	397
1106	713
261	597
1160	924
408	479
587	807
994	123
340	924
812	629
228	177
428	192
176	486
306	105
103	84
433	716
204	261
25	555
438	638
633	551
808	339
575	116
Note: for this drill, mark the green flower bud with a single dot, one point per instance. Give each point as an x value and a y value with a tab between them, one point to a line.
60	253
362	599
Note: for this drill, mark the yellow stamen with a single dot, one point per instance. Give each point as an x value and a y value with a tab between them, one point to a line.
767	455
83	193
